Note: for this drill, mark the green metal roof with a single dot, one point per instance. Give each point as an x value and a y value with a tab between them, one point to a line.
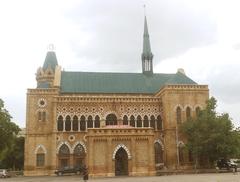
50	61
98	82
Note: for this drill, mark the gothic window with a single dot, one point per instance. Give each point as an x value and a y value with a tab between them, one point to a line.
79	150
75	123
125	120
60	123
159	123
40	160
42	116
180	154
68	123
158	153
97	122
132	121
145	121
111	119
188	113
139	121
64	150
179	115
82	123
90	122
198	111
152	122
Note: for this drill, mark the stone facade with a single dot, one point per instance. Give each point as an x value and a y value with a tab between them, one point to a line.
115	123
101	143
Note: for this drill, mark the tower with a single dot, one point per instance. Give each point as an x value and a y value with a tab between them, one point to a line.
45	75
147	56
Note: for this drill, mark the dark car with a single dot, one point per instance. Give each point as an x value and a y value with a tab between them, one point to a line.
68	170
226	164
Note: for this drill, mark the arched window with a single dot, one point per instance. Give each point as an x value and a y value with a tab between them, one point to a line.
132	121
159	123
111	119
79	155
145	121
82	123
198	111
158	153
97	122
139	121
68	123
64	150
125	120
180	154
152	122
64	156
179	115
188	113
40	157
75	123
90	122
42	116
60	123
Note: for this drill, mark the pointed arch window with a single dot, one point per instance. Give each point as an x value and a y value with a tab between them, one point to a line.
60	123
159	123
158	153
68	123
125	120
145	121
42	116
152	122
64	156
40	157
139	121
97	122
188	113
82	123
132	121
75	123
198	111
179	115
111	119
90	122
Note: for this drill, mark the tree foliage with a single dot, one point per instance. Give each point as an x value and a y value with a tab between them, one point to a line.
211	135
11	147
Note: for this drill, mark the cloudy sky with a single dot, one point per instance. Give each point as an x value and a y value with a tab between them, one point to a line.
201	36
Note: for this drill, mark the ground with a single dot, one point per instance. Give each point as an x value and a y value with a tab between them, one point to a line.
216	177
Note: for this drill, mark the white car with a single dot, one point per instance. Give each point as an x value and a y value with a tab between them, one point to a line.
4	173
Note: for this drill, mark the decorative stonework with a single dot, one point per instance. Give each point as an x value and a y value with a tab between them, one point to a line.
71	138
121	146
160	142
42	102
40	147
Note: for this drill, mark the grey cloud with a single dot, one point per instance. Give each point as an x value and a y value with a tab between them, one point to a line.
116	28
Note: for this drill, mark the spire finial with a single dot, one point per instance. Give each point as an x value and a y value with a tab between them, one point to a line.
144	7
51	47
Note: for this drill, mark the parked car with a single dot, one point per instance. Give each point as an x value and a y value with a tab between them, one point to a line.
226	164
4	173
67	169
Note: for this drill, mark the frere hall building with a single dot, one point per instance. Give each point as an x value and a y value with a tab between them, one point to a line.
114	123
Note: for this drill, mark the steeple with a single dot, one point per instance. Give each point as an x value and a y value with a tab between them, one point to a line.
147	56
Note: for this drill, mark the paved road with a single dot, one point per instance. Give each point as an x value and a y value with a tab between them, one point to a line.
216	177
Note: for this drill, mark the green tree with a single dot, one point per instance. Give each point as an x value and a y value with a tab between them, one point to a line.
211	135
8	135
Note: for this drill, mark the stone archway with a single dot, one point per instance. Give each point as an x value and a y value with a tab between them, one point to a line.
121	162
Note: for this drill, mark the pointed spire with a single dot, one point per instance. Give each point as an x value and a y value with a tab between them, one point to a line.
51	59
146	40
147	55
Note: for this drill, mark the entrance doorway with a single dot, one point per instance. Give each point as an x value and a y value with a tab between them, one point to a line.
121	163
